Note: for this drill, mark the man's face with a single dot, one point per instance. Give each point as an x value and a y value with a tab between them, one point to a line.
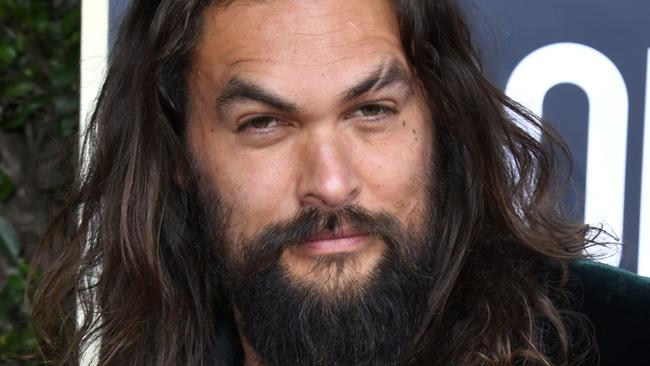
301	104
305	122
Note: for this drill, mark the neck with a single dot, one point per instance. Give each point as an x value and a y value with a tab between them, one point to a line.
250	357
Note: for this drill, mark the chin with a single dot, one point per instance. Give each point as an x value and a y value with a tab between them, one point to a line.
353	308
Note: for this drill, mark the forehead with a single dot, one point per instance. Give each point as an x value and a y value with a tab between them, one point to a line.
285	38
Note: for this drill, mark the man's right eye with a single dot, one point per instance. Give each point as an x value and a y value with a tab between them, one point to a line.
258	124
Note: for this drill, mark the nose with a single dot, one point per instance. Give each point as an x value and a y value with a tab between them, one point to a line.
328	178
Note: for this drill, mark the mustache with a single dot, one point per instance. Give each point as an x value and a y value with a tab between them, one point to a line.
266	247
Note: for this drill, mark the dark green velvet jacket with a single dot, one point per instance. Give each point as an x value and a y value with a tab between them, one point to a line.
618	304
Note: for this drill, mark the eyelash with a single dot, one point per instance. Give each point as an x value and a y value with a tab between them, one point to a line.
384	112
249	123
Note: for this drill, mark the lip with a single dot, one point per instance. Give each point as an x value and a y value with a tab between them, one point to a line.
328	242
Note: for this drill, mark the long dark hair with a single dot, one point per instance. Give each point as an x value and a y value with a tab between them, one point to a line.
123	256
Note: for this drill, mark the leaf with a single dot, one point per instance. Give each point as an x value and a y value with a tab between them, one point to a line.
6	187
9	243
13	121
67	126
65	104
15	282
24	268
16	90
41	25
28	72
7	54
24	112
20	12
71	22
63	77
19	44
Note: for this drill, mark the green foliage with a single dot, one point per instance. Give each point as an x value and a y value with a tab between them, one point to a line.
39	84
9	244
16	334
39	47
6	187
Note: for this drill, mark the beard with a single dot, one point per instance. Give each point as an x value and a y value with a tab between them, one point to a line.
354	319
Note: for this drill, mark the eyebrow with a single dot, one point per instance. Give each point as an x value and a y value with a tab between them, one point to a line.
239	89
378	79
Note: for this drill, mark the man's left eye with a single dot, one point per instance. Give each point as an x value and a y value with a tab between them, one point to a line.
372	111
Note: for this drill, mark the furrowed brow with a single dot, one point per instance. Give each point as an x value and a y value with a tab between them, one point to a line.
385	75
238	89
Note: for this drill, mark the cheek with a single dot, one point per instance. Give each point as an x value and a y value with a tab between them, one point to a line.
256	191
250	189
397	171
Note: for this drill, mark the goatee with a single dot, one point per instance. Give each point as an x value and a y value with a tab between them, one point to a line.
364	320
